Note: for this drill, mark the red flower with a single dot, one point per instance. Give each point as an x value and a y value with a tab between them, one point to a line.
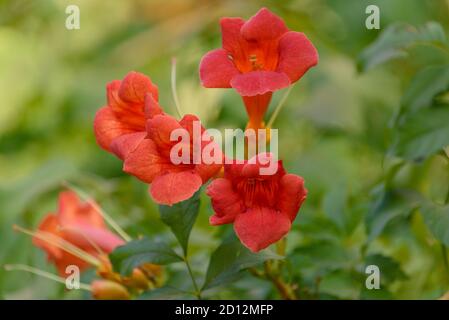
124	113
259	56
79	224
262	207
151	161
135	128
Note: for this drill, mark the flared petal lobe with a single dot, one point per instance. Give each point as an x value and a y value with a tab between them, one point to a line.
225	202
174	187
107	127
292	195
259	227
264	25
145	162
259	82
296	55
135	86
217	70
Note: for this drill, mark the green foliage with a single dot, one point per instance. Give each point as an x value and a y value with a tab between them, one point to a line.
228	261
436	218
422	134
389	205
368	144
137	252
390	269
424	87
396	39
181	217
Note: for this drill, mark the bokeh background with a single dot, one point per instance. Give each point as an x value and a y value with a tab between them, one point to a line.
336	131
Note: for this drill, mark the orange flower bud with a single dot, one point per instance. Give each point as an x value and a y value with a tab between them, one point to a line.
137	280
109	290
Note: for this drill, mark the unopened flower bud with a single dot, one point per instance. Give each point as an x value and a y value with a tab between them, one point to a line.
109	290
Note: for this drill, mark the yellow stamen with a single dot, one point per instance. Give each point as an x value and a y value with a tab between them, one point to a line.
85	236
114	225
41	273
62	244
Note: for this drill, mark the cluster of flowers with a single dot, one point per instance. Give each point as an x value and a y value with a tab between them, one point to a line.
259	56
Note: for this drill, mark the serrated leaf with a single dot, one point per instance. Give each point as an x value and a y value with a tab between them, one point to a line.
229	259
436	218
394	41
181	217
137	252
422	135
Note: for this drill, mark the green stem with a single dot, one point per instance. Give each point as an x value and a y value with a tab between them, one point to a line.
173	87
445	260
443	246
279	107
195	286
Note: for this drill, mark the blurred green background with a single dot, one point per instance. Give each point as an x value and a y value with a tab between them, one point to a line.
339	130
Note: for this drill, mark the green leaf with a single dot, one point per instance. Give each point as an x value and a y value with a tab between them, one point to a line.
341	284
336	208
181	217
390	269
163	293
321	256
436	218
396	39
422	135
425	85
137	252
387	206
229	259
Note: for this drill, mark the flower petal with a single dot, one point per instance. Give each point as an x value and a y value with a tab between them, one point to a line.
263	165
230	33
160	128
217	70
144	162
259	227
264	25
259	82
152	107
225	201
113	99
291	195
49	225
296	55
83	236
71	210
174	187
207	171
123	145
107	127
135	86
